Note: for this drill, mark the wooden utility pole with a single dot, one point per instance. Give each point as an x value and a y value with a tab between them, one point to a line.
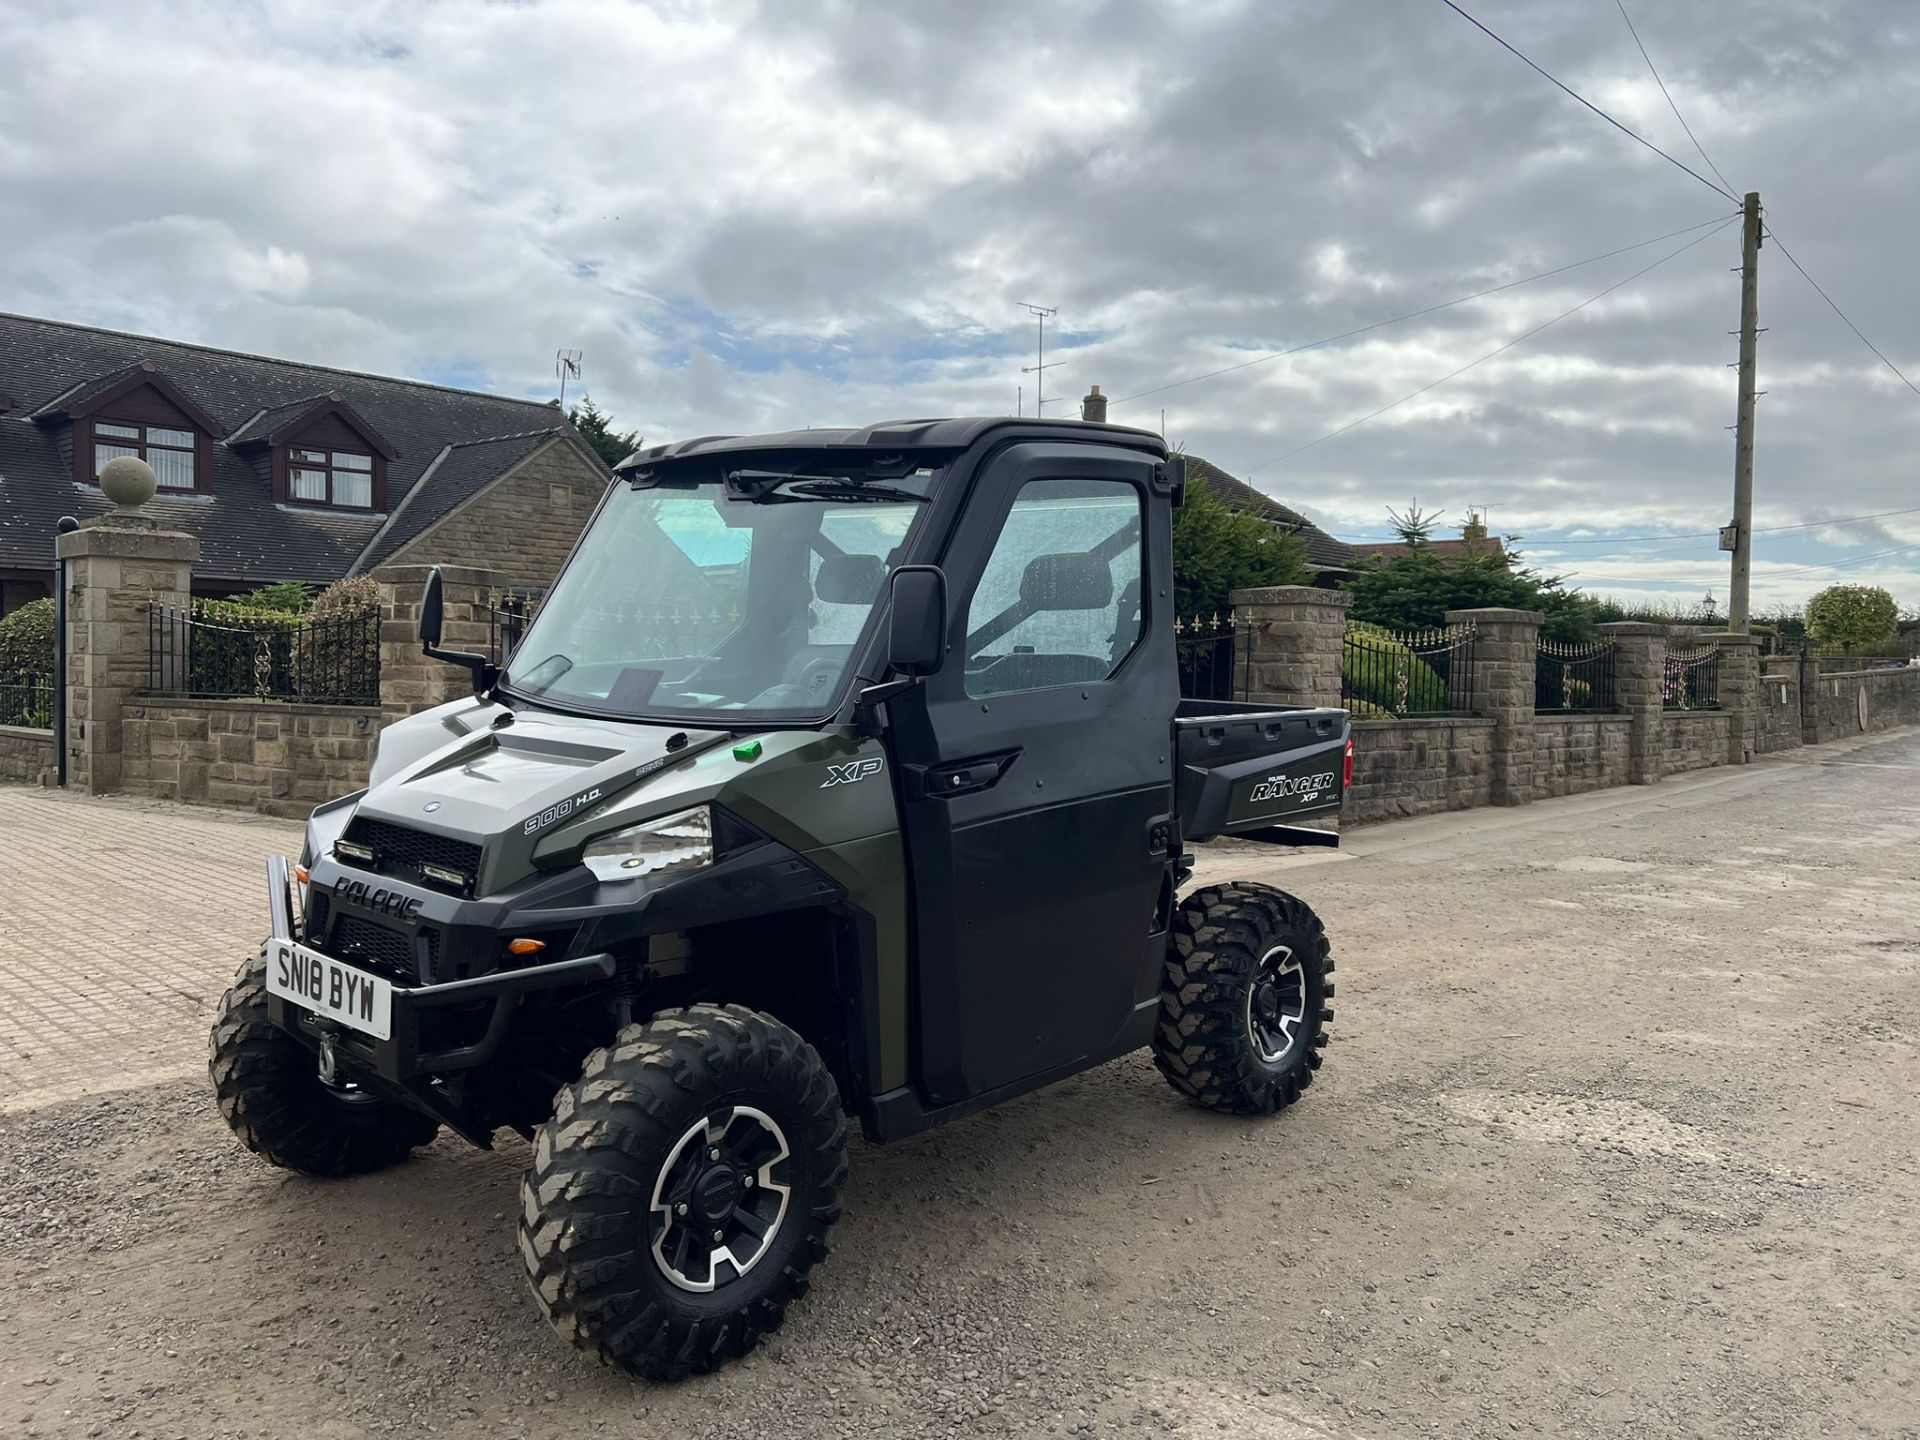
1738	617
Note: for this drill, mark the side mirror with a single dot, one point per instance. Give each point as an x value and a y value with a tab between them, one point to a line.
917	641
430	608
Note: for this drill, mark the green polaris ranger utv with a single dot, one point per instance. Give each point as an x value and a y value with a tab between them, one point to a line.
842	772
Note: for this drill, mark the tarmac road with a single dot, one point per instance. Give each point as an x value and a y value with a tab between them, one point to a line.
1618	1137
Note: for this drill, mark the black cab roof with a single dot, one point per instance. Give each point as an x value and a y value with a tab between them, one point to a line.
952	434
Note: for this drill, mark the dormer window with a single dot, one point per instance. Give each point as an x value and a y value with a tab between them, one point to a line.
330	477
170	452
318	451
139	412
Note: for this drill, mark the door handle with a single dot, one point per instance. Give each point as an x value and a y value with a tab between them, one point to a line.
966	777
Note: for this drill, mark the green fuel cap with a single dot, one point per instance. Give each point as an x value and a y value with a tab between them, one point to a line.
747	750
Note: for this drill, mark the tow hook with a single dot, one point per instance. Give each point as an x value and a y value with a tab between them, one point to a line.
329	1063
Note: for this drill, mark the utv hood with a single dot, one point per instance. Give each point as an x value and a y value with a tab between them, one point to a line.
502	787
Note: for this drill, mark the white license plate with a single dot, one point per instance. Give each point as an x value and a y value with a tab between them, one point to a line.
323	985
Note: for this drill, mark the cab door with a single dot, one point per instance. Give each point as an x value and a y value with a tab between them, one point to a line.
1035	773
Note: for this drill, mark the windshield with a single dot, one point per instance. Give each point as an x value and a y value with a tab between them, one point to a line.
687	598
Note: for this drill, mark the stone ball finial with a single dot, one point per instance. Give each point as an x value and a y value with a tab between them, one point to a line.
128	481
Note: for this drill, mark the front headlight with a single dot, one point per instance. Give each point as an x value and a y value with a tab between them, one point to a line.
681	841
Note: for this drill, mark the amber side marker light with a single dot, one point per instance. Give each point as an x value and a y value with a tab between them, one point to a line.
300	873
524	946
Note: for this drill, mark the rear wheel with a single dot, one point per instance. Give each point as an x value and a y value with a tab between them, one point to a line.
683	1190
271	1094
1243	1010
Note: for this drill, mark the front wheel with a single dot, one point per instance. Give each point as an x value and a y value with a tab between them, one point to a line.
1243	1012
271	1095
683	1190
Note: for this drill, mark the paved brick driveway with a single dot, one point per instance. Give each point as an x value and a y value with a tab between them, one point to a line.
121	922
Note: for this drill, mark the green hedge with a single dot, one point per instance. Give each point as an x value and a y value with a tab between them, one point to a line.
1370	664
26	640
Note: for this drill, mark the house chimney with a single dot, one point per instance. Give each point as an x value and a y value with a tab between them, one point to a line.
1474	532
1094	406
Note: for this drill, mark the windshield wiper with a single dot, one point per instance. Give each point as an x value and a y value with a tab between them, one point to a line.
762	486
840	490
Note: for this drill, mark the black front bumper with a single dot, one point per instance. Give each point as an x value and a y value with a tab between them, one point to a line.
456	991
481	1007
489	1003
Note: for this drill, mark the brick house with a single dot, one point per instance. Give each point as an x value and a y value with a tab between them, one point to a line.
284	471
1474	541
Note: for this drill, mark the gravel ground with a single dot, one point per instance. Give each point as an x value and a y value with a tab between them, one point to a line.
1617	1138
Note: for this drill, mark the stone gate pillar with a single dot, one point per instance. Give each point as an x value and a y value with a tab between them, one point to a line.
1639	673
118	567
1505	646
1287	643
409	680
1740	697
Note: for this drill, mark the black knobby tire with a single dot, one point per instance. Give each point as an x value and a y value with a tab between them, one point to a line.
589	1231
1226	940
271	1095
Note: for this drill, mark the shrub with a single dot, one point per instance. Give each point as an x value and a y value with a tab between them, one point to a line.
1217	551
1852	615
26	640
339	659
1372	663
287	597
354	595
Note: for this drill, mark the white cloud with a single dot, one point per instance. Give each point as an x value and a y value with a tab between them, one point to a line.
766	215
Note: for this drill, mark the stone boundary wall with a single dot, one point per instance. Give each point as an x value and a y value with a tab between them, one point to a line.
1692	740
1777	708
1503	753
1419	767
1857	702
26	754
258	755
1573	754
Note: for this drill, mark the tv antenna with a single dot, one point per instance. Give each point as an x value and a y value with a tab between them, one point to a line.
565	363
1040	362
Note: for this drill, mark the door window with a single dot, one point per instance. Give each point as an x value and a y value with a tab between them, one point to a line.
1059	600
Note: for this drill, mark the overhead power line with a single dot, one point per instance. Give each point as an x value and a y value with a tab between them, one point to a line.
1774	235
1499	350
1797	570
1632	134
1844	564
1412	314
1669	94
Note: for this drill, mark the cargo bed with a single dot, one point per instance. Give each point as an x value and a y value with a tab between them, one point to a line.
1253	770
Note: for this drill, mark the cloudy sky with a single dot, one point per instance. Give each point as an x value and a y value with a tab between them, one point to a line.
759	216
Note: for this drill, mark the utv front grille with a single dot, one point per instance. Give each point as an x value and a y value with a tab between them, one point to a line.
374	947
403	853
401	958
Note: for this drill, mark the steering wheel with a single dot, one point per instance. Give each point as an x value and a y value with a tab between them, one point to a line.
814	676
813	681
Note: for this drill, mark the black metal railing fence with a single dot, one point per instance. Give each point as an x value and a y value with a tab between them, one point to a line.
26	699
507	617
1692	679
1208	668
316	662
1570	679
1394	674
